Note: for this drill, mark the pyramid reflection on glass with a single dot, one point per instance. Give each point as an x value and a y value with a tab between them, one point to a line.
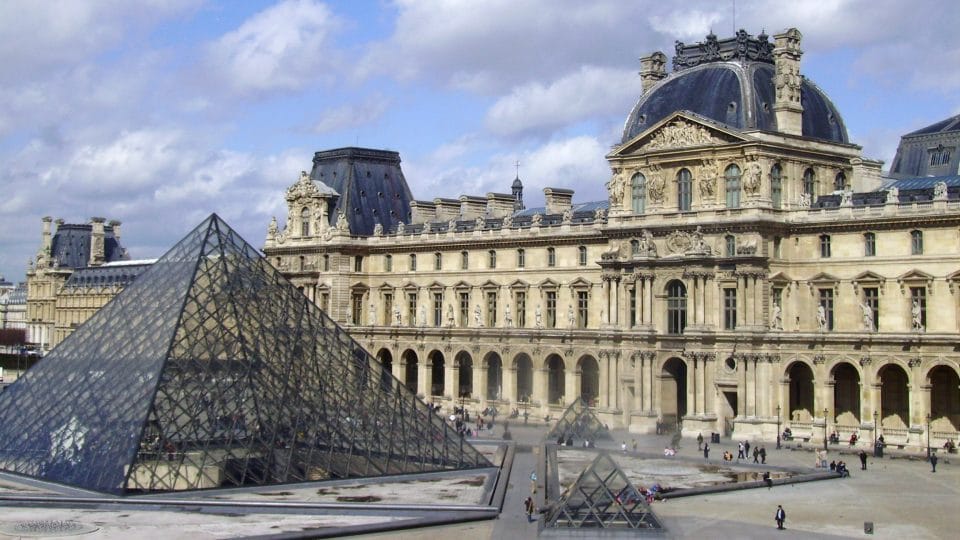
212	370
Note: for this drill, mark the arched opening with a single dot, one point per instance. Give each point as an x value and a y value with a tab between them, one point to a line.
731	177
555	379
801	392
673	391
894	397
589	380
944	399
846	395
436	373
410	370
494	375
524	367
386	362
305	222
684	190
676	307
639	193
464	374
776	185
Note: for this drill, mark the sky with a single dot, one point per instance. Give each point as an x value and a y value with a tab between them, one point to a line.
157	113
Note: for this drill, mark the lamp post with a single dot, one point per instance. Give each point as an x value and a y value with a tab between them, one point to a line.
825	413
928	436
874	429
778	426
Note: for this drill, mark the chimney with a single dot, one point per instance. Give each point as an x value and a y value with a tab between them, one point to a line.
46	239
447	209
472	207
97	254
786	58
499	205
115	227
653	68
422	211
558	199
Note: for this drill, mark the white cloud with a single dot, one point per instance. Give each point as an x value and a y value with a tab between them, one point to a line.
687	24
284	47
585	93
351	115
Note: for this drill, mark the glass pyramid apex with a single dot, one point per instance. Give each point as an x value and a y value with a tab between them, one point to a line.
579	422
212	370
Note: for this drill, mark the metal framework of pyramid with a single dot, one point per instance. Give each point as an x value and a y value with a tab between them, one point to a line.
212	370
602	498
579	422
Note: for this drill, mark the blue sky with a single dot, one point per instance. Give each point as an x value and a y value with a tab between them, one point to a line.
157	113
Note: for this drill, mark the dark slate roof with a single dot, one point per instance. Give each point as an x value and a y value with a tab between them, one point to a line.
18	295
943	126
909	190
738	95
578	208
107	275
371	185
70	246
925	182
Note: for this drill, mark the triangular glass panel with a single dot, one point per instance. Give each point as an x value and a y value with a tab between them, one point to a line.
578	423
212	370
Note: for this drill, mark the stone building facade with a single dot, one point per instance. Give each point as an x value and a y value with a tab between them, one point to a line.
749	270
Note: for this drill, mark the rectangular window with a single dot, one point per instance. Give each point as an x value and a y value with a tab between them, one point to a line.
437	309
918	307
729	309
869	245
871	297
583	308
825	246
551	321
387	309
582	255
551	257
633	307
776	247
411	309
521	258
358	263
326	263
464	260
520	299
491	309
464	309
916	242
826	302
388	263
357	311
325	301
413	262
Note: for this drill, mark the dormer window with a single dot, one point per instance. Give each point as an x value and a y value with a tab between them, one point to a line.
305	222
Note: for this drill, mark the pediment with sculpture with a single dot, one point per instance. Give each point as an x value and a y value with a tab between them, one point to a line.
681	130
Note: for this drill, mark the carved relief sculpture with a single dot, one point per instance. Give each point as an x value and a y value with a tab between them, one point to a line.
616	188
342	224
681	133
707	180
846	198
776	318
272	229
536	219
538	318
567	216
752	178
655	185
449	316
478	316
571	317
378	229
940	191
804	201
917	316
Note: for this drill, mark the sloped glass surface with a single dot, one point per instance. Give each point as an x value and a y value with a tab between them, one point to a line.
212	370
579	423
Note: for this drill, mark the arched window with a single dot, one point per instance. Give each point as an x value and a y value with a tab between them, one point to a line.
413	262
551	257
639	193
437	261
840	181
582	255
684	190
305	222
492	258
809	183
676	307
388	263
869	244
464	260
521	258
776	184
732	179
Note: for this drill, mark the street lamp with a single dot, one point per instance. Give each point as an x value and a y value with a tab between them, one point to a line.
928	436
778	426
874	429
825	413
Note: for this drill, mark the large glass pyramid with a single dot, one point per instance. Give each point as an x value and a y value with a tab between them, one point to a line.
602	498
212	370
579	422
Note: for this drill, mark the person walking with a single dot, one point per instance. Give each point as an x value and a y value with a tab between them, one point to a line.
756	454
529	506
740	454
699	441
706	451
863	460
933	462
763	455
780	516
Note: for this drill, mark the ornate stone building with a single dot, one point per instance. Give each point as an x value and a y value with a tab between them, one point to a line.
750	269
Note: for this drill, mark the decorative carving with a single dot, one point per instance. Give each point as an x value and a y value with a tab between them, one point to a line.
916	315
655	185
567	216
914	362
378	229
479	223
535	220
678	242
751	179
846	199
747	246
600	215
940	191
707	180
821	318
507	222
776	318
342	224
804	201
507	317
616	186
698	246
893	196
680	134
865	361
819	359
646	246
867	316
272	229
401	228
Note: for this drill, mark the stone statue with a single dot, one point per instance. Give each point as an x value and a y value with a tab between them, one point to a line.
940	191
422	316
568	216
821	318
450	320
342	224
507	222
479	223
397	319
698	245
401	228
917	315
378	229
615	186
272	228
867	314
707	181
893	196
776	318
846	198
478	316
507	317
571	317
452	225
538	318
600	215
751	179
647	246
372	315
804	201
655	186
536	219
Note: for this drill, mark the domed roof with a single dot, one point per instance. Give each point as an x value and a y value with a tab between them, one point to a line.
739	93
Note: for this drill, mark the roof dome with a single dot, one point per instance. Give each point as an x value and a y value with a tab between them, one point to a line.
733	85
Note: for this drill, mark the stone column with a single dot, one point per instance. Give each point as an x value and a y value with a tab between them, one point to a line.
606	301
540	384
571	385
709	364
603	364
424	377
648	293
510	384
400	370
451	378
479	381
616	301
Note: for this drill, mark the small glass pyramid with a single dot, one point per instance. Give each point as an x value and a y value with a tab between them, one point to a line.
602	498
212	370
579	422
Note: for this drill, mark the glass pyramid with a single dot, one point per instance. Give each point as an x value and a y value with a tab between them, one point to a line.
602	497
212	370
579	422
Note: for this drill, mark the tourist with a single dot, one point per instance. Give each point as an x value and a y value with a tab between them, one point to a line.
853	439
843	470
933	462
740	454
623	446
529	506
763	455
746	449
756	454
833	466
780	517
699	441
863	460
727	455
767	480
706	451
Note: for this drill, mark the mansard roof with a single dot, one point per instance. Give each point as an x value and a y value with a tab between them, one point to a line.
70	246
